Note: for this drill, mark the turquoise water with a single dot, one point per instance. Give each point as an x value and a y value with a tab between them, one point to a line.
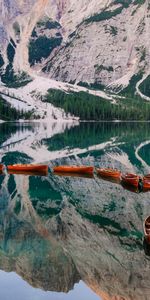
65	237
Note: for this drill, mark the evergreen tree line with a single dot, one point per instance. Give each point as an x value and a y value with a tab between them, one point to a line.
99	132
90	107
145	86
9	113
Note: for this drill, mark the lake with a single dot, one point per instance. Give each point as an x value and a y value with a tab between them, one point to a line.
67	238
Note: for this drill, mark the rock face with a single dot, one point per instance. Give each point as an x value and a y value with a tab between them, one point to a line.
52	269
104	43
106	47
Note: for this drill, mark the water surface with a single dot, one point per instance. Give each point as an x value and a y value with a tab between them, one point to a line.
65	237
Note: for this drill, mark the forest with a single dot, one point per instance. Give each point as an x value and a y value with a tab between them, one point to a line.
91	107
9	113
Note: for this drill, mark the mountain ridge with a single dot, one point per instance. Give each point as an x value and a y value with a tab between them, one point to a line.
103	46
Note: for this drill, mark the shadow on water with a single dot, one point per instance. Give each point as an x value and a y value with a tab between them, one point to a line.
146	247
29	173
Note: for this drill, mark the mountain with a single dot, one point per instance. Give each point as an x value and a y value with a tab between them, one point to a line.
57	230
96	44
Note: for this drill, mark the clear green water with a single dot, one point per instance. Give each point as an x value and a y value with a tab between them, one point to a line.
62	237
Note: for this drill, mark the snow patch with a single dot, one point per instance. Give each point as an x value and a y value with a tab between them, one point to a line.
32	143
30	97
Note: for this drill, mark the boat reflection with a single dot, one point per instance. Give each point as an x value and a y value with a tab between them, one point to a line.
130	188
145	190
28	173
110	179
68	174
126	186
146	247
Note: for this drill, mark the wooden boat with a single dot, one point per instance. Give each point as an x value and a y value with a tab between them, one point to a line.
146	183
74	169
147	229
80	175
131	179
28	168
108	172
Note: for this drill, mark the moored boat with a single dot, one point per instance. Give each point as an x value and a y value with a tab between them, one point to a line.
131	179
146	183
108	172
74	169
28	168
147	229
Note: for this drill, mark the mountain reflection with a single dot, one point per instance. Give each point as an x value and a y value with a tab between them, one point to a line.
56	230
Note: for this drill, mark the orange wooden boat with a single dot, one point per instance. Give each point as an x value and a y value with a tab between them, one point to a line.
147	229
146	183
108	172
74	169
28	168
131	179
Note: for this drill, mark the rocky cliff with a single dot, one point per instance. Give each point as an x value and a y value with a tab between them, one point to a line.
98	43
